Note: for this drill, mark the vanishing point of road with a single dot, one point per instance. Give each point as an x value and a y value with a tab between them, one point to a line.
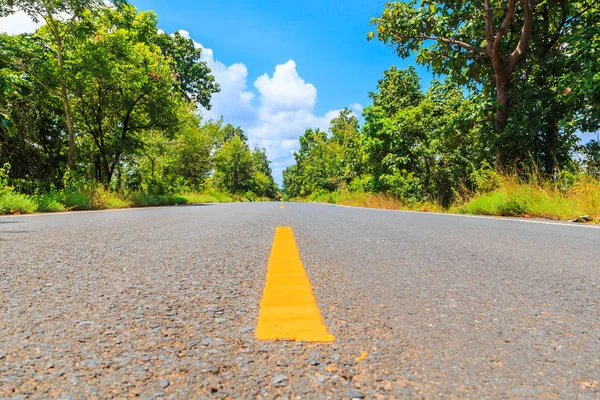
165	303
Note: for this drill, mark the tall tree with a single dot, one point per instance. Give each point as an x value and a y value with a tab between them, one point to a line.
121	85
59	15
468	39
37	144
233	166
262	175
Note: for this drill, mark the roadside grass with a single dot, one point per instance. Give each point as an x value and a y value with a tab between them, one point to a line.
96	198
511	197
370	200
538	200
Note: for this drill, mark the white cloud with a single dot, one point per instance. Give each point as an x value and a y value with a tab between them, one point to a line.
285	90
18	23
357	108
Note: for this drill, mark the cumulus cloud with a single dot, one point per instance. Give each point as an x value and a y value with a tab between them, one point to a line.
285	90
18	23
357	108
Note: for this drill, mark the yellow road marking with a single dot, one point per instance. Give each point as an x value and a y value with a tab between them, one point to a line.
281	206
288	309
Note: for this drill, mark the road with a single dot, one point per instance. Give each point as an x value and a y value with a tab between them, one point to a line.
164	302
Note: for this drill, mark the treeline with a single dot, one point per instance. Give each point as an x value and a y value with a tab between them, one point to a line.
99	96
519	84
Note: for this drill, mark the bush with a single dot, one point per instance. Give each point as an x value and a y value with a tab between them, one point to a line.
12	203
485	179
50	203
76	200
404	186
323	196
363	184
4	187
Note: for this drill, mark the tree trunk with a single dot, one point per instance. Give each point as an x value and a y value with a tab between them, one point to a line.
501	120
64	96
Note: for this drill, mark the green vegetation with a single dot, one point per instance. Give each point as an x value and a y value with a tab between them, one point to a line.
498	135
99	109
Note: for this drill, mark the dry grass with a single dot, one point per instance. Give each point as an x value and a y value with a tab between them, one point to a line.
538	200
381	201
512	197
370	200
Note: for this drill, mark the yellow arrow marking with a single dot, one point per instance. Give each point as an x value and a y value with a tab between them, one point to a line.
288	309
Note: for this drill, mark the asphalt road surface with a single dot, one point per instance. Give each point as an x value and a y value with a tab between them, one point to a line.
164	303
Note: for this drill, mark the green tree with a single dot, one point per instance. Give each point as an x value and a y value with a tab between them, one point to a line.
263	184
60	16
36	146
121	85
11	85
494	47
195	82
396	91
193	154
233	166
345	142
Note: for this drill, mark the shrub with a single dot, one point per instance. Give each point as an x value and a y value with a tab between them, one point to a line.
50	203
485	179
404	186
363	184
75	200
11	202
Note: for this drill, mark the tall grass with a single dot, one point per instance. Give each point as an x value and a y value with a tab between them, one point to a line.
539	199
16	203
371	200
567	198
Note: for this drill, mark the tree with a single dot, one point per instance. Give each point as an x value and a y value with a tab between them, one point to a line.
11	84
193	154
345	141
469	39
121	85
194	79
233	166
396	91
37	144
262	175
52	11
494	46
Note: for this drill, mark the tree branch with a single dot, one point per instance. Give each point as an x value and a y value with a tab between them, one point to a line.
526	32
464	45
508	18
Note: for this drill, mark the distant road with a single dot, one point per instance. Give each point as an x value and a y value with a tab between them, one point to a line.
164	302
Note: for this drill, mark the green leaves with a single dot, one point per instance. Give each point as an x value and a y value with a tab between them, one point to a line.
193	76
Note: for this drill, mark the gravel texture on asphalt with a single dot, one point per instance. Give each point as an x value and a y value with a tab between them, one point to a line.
163	303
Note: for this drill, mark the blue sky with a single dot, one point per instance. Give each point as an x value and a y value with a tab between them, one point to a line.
326	39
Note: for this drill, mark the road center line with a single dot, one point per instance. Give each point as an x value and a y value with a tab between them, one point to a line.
288	310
